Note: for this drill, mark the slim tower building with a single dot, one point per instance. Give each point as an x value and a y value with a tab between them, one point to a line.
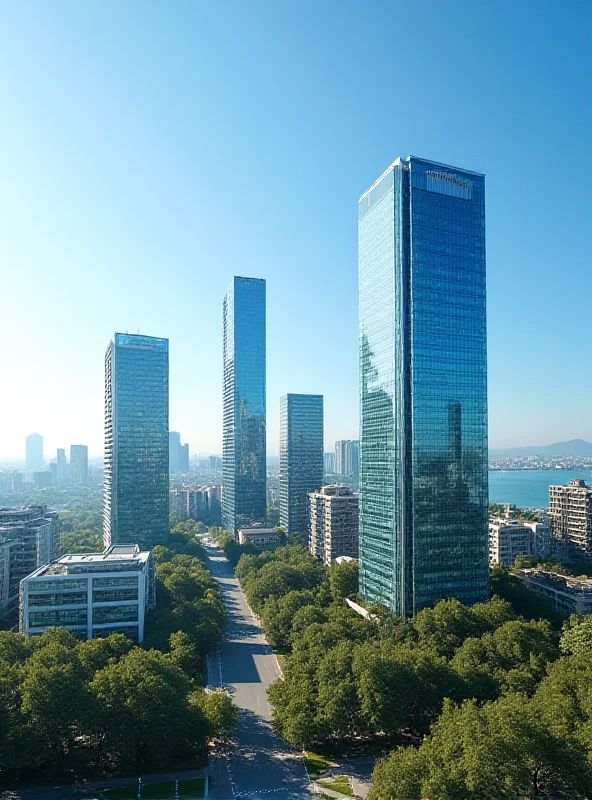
34	454
301	457
243	426
79	464
136	469
423	387
174	451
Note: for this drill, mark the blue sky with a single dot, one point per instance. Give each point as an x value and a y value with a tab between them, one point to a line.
151	150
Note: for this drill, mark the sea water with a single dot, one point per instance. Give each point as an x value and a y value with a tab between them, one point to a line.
529	488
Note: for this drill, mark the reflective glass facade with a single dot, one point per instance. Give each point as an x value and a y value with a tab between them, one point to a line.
301	457
244	470
423	387
136	470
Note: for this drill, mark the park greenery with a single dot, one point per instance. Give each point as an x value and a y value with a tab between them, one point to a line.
81	531
490	701
107	706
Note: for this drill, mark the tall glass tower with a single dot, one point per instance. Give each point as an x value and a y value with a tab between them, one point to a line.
301	457
423	387
244	466
136	470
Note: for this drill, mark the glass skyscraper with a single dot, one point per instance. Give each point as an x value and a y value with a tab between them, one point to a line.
423	387
136	469
301	457
244	467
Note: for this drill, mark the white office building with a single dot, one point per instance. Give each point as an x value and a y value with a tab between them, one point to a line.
90	594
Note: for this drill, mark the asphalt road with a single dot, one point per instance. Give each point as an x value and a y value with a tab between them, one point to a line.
259	764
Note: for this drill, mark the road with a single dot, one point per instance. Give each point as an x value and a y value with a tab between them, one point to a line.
259	764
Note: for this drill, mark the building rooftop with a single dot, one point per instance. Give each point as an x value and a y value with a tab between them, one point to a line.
252	531
555	579
74	563
335	490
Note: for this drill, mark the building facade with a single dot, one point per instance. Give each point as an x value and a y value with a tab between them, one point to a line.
90	594
333	523
423	387
244	469
568	594
329	463
29	539
301	457
264	538
61	468
174	452
34	453
347	457
79	465
570	519
136	466
510	538
184	458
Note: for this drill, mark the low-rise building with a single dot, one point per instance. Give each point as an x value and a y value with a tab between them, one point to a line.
509	538
90	594
333	523
569	595
260	537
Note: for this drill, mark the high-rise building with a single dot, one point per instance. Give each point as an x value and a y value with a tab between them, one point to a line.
174	451
34	455
244	472
136	469
333	523
423	393
570	519
329	463
301	457
45	478
79	465
184	458
347	457
61	468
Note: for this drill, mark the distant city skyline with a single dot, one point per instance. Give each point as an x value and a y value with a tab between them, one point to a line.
135	191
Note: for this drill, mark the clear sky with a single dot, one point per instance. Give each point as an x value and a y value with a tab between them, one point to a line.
151	150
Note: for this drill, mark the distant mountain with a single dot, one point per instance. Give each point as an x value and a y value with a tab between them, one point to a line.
575	447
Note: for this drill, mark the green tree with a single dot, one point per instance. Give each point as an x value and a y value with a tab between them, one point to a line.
54	697
576	637
343	579
144	716
278	616
500	751
219	711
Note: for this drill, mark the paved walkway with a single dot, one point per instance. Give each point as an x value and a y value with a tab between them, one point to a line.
259	764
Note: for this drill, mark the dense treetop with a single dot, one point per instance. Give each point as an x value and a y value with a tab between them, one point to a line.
476	702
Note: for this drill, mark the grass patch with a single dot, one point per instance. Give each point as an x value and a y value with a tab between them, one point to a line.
157	791
339	784
316	764
281	661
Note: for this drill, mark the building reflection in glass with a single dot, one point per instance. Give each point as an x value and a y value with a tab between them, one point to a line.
244	440
423	372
